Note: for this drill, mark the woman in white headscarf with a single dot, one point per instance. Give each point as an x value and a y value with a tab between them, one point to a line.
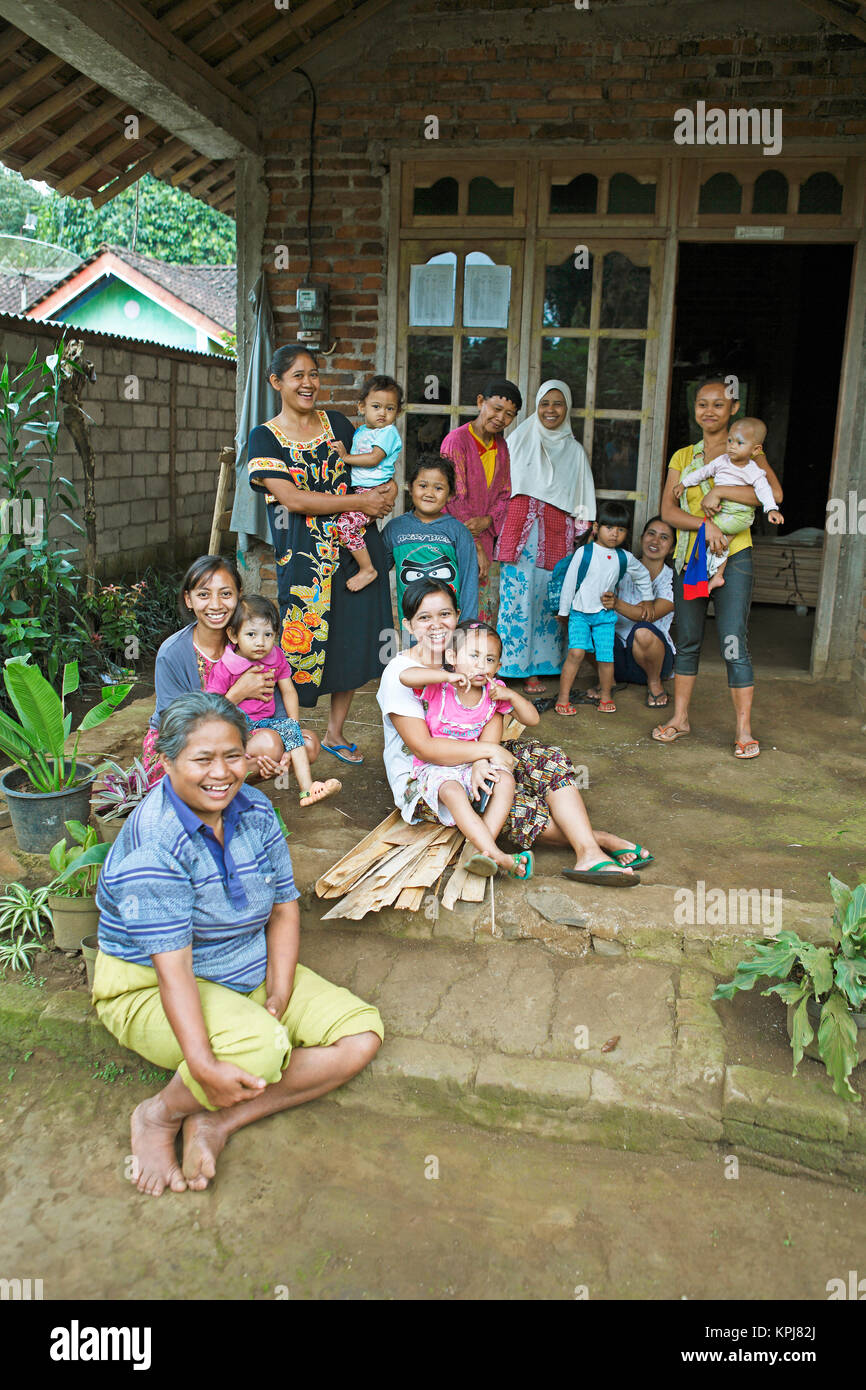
552	505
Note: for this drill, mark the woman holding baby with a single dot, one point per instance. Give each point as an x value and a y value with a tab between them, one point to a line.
714	409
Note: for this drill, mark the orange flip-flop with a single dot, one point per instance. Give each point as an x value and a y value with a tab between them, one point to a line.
741	750
606	707
565	709
668	733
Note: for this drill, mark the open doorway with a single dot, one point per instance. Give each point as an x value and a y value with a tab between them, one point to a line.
775	317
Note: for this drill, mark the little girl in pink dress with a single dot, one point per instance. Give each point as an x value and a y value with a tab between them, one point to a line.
459	703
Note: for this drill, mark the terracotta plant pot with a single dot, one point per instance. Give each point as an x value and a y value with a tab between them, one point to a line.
89	950
814	1012
73	919
37	817
109	829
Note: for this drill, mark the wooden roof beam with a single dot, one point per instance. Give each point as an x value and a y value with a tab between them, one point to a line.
45	111
171	149
130	53
286	66
100	158
838	15
275	34
94	120
36	72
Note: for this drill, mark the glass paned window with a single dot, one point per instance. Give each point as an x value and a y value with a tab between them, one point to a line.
628	194
614	454
480	359
486	292
568	294
620	373
625	290
424	434
820	193
429	370
431	292
565	359
581	195
439	200
721	193
770	193
487	199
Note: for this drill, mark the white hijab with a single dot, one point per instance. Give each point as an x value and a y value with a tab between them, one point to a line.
550	464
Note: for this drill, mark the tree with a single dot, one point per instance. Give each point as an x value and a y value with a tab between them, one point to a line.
172	226
17	198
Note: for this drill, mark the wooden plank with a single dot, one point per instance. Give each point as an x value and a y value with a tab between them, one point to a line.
381	884
457	881
226	479
345	869
411	899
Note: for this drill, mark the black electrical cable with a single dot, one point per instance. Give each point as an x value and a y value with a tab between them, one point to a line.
312	172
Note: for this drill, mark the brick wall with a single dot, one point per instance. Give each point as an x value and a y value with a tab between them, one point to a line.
141	462
487	84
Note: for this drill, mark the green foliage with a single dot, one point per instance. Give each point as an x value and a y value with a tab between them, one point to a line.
17	198
36	743
172	225
76	867
24	919
835	977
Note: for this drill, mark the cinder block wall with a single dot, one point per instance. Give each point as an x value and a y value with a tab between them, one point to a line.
155	487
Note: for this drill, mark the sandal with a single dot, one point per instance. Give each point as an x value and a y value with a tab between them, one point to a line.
657	701
606	707
482	865
534	686
527	858
639	863
668	733
566	709
741	750
598	874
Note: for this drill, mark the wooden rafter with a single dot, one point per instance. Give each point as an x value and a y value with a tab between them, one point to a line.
229	20
161	33
187	171
102	157
171	147
839	16
10	41
181	14
45	111
301	55
201	185
100	115
37	71
275	34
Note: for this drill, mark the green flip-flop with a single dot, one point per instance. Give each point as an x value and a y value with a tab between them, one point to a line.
597	874
528	858
638	863
482	865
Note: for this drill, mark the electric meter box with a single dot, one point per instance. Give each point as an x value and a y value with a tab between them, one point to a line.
311	302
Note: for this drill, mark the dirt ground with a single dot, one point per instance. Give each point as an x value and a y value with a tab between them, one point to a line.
329	1203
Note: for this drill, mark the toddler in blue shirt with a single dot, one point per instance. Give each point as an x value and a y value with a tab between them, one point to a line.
375	449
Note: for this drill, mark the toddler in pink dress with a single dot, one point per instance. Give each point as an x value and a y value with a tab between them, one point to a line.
460	703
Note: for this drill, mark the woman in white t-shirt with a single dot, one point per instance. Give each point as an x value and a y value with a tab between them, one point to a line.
643	649
547	804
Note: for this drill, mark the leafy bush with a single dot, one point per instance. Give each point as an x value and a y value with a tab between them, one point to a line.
24	918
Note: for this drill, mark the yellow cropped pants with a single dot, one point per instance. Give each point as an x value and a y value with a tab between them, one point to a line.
240	1029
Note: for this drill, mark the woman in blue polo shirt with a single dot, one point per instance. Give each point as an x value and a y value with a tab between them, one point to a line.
198	963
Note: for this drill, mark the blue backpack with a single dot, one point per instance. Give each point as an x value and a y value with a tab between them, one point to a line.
557	577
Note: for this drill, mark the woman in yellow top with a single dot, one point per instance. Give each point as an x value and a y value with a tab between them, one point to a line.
713	412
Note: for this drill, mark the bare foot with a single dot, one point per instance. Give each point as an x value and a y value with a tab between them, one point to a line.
203	1142
319	790
717	582
155	1162
361	579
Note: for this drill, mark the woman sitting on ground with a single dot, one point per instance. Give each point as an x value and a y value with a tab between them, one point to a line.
547	806
209	594
198	956
643	649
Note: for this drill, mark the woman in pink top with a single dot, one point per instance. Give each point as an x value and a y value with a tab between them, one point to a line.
253	631
483	482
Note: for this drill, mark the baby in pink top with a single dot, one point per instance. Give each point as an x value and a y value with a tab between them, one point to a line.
253	631
467	703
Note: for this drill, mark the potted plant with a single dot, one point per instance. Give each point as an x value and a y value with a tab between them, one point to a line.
71	892
24	919
824	987
121	791
46	788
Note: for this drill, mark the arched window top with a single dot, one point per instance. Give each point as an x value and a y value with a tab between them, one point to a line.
489	199
578	196
821	193
770	193
722	193
628	194
437	200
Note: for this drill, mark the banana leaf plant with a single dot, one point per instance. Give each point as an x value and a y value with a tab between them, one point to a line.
36	744
834	976
76	868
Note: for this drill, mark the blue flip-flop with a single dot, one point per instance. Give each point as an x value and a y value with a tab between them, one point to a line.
349	747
